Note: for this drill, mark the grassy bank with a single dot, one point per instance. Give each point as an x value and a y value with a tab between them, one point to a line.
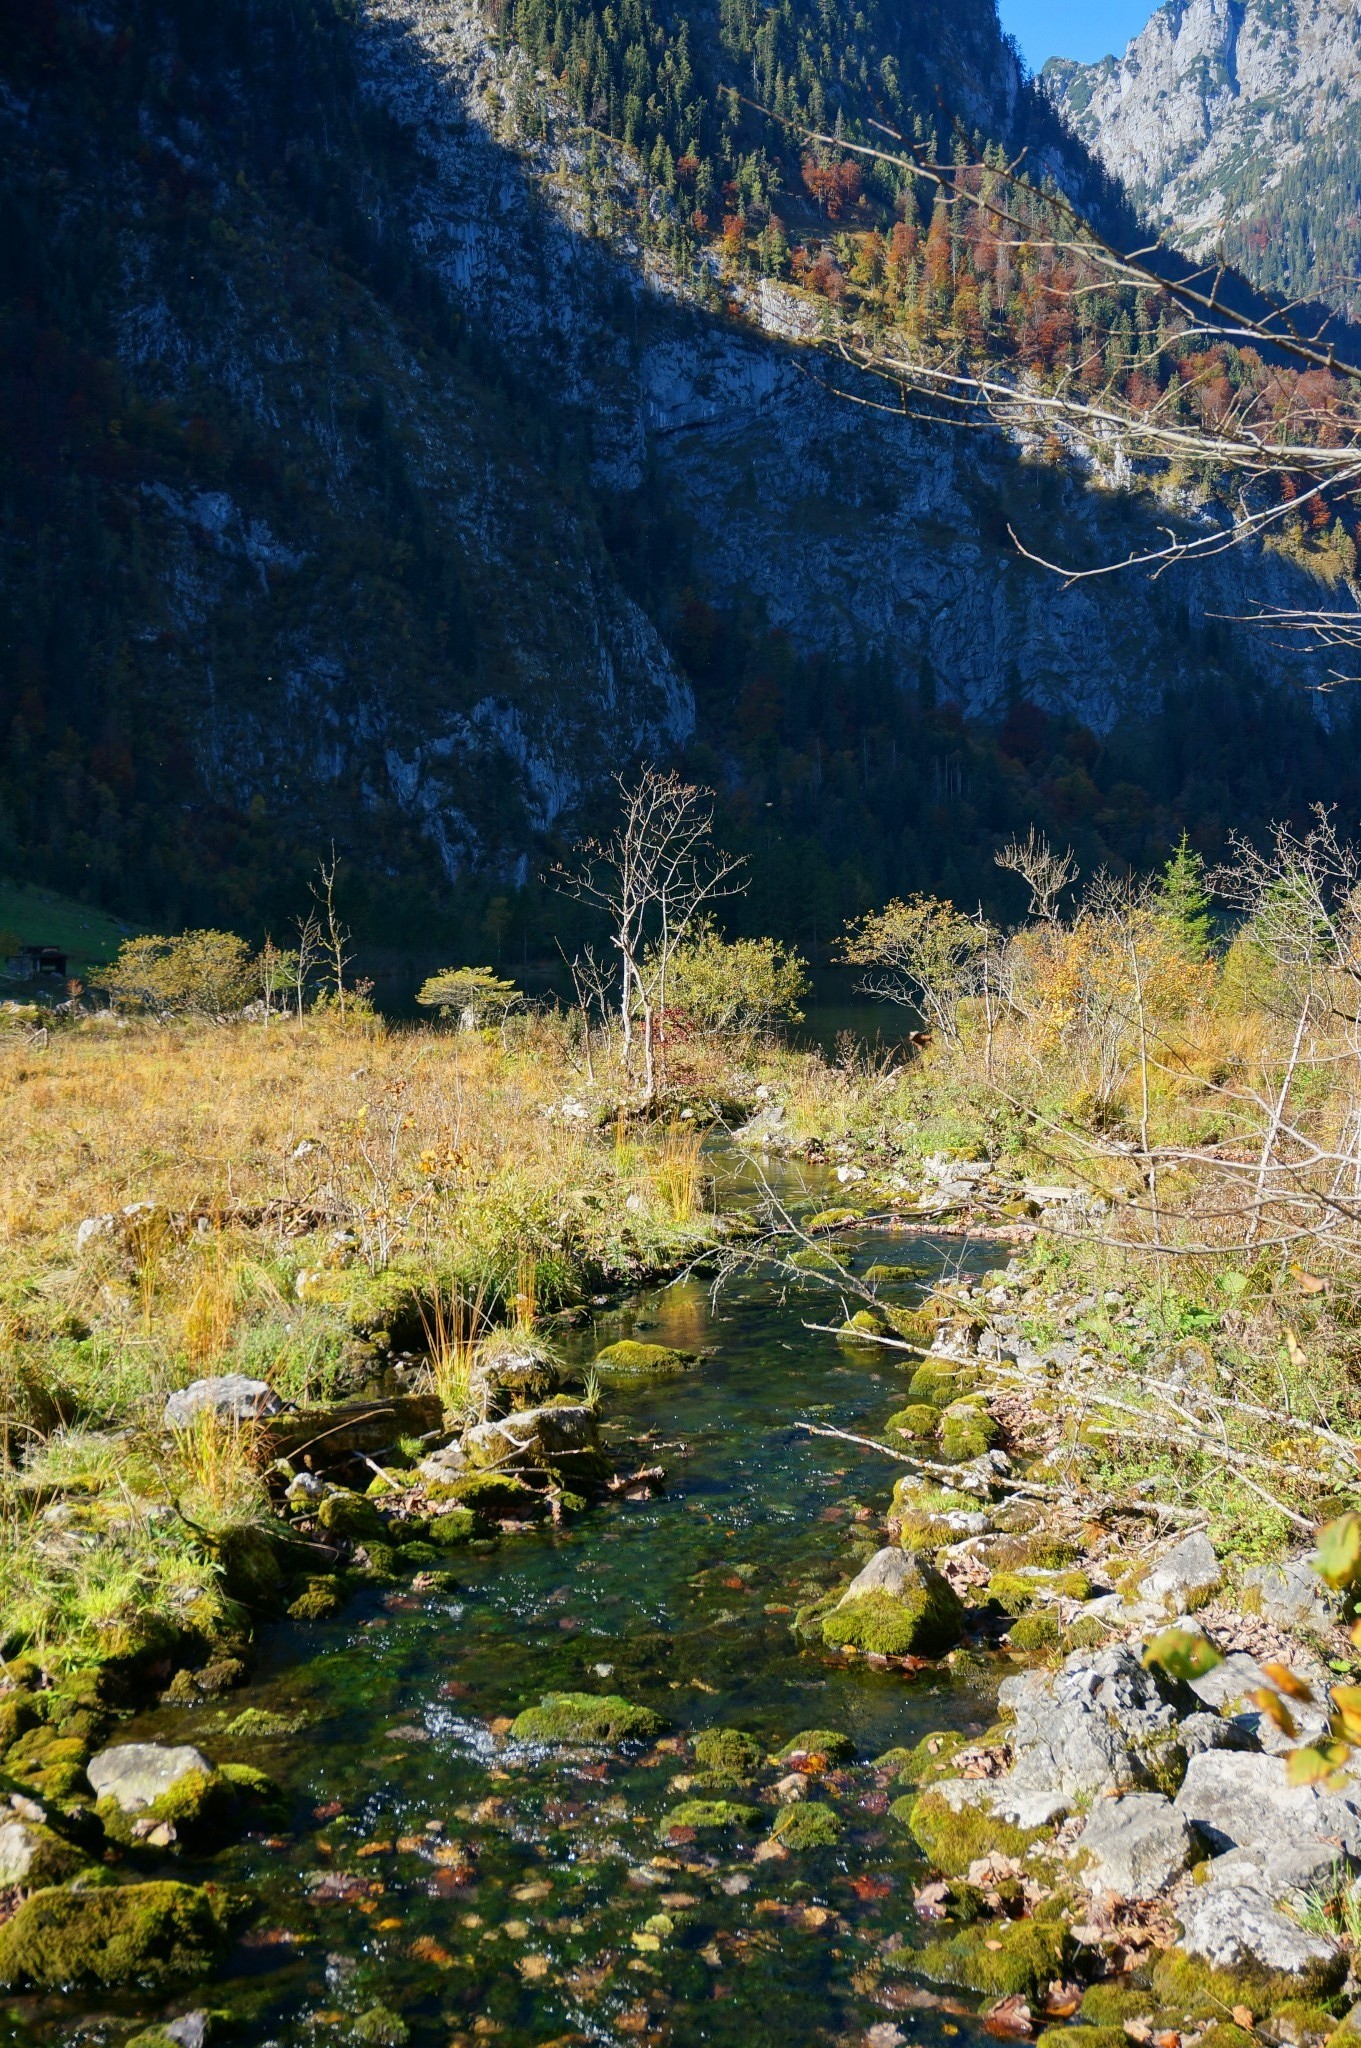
327	1206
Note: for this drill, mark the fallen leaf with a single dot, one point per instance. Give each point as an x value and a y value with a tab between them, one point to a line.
1242	2015
871	1887
1010	2017
426	1950
532	1968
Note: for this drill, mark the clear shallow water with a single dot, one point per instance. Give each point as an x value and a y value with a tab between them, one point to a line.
487	1892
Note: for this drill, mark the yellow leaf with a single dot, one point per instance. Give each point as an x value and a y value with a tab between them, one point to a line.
1275	1709
1347	1700
1284	1680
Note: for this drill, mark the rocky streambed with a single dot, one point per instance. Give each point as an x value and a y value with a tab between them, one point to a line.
783	1743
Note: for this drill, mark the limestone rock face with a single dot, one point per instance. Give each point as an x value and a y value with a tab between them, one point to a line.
136	1774
1101	1724
228	1397
1212	104
1135	1845
1245	1803
1233	1925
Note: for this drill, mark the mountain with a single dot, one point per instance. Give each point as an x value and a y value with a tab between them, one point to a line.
1237	124
409	416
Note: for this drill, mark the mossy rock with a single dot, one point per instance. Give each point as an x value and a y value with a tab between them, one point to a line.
1000	1959
1035	1632
1088	1631
1080	2036
816	1258
824	1742
353	1518
862	1328
951	1841
628	1355
920	1620
320	1599
1013	1592
808	1824
728	1756
452	1530
916	1326
710	1817
1226	2035
18	1713
395	1309
895	1276
150	1935
379	2027
831	1219
1110	2005
966	1432
200	1806
930	1758
1194	1989
1033	1553
919	1421
584	1717
497	1497
249	1562
941	1382
420	1557
43	1857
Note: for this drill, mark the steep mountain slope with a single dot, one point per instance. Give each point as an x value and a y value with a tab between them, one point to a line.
1238	122
389	452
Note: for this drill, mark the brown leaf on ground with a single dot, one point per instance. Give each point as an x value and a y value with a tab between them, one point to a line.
1010	2017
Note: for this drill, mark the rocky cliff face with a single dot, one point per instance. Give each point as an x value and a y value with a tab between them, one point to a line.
1236	121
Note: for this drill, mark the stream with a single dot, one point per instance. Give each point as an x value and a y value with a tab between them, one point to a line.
477	1890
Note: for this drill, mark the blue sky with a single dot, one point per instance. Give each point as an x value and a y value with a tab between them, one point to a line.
1085	29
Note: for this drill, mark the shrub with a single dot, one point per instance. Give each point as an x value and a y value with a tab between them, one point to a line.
197	974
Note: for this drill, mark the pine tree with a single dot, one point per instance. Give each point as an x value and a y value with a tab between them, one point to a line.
1183	902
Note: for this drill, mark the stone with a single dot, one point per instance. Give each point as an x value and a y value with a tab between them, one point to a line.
534	1438
1229	1688
144	1934
228	1397
1183	1578
1245	1802
444	1465
1200	1732
897	1605
1100	1724
93	1229
136	1774
1291	1594
1232	1926
32	1856
590	1718
1134	1845
504	1379
1019	1805
631	1356
1282	1872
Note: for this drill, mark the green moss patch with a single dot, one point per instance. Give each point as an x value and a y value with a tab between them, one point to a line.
828	1743
320	1599
727	1755
923	1620
918	1421
628	1355
930	1758
966	1432
352	1517
1196	1990
808	1824
816	1258
145	1934
709	1816
1081	2036
951	1841
831	1219
999	1958
496	1497
585	1717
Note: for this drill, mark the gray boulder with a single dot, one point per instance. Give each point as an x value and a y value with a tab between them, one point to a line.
501	1380
1204	1731
1232	1926
1135	1845
894	1572
562	1432
229	1397
1228	1688
1245	1802
1290	1594
1100	1724
443	1466
136	1774
1022	1805
32	1856
1281	1872
1183	1578
190	2030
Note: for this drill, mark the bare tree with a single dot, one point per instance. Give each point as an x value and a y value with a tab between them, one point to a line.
333	937
306	956
652	877
925	955
1045	873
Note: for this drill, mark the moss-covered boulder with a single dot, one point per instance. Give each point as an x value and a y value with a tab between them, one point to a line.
864	1327
320	1599
831	1219
602	1719
248	1559
808	1824
928	1759
452	1529
1196	1990
898	1605
827	1743
709	1817
999	1957
919	1422
630	1356
817	1258
728	1756
966	1431
940	1382
495	1497
1083	2036
352	1518
951	1836
1039	1630
150	1935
